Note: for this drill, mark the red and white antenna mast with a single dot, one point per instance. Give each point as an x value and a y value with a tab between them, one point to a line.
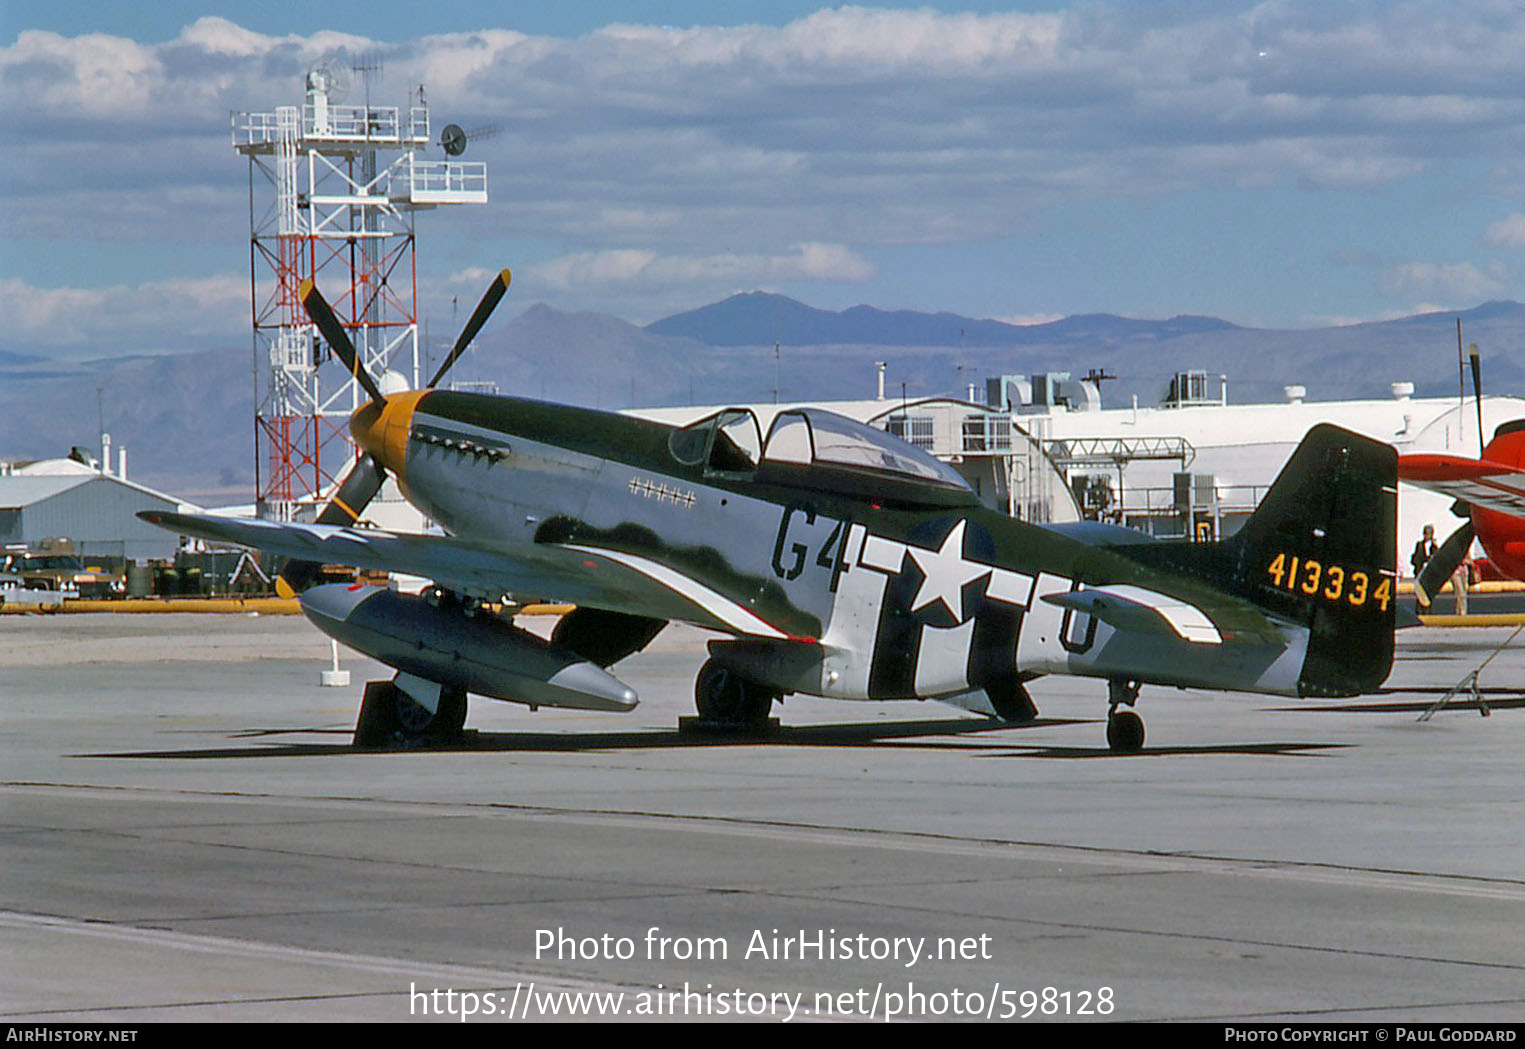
334	190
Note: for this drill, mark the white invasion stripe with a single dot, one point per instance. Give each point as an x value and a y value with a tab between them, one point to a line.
721	607
1012	588
942	660
886	555
849	635
857	535
1187	620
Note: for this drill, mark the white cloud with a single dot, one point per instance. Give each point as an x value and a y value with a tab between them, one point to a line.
92	76
941	122
153	316
812	261
646	157
219	36
597	267
1027	320
1506	233
1457	282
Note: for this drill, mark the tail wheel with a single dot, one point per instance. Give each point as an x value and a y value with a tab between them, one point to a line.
723	696
1125	729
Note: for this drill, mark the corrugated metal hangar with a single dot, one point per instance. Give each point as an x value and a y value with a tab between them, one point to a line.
97	511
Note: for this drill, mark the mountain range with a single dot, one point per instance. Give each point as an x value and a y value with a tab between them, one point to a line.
760	319
188	419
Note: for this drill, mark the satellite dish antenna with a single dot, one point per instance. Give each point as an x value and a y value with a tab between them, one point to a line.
453	138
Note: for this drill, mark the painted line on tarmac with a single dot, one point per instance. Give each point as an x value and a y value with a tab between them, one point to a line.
458	977
1182	861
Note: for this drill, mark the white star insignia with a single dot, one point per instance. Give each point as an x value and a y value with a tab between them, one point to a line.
945	574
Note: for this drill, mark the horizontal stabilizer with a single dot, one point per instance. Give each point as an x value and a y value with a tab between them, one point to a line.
1135	608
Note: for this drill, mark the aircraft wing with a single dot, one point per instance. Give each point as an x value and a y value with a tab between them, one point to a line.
589	575
1490	485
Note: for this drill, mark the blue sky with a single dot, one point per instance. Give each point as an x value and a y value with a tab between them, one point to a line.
396	22
1281	164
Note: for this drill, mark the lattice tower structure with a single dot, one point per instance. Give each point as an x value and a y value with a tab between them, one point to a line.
334	192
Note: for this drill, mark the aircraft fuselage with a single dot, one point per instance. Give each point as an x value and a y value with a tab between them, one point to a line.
899	593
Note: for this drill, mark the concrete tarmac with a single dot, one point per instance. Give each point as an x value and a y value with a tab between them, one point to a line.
186	834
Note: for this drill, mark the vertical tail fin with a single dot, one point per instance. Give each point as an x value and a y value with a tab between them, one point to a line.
1321	551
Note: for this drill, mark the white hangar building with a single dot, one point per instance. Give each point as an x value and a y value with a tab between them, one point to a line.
1044	449
98	511
1200	463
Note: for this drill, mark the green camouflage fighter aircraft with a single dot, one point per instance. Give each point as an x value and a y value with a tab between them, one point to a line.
838	560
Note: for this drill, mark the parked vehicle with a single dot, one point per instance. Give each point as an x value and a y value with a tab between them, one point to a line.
65	573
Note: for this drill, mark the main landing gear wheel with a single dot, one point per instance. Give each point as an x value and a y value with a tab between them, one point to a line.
1010	701
724	697
388	714
1125	729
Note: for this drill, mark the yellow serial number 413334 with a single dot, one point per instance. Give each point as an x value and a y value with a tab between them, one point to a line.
1332	583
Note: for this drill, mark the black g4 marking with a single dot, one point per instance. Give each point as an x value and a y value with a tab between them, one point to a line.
799	550
837	563
789	556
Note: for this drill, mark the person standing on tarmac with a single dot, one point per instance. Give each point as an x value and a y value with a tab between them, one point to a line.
1423	551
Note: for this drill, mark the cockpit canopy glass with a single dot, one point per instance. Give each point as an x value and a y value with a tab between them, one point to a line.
817	437
728	442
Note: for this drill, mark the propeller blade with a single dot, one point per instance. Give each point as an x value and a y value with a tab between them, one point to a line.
495	292
355	494
1477	392
323	316
349	502
1438	569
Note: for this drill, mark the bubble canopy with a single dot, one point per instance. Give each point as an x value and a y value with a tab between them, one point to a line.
820	438
806	443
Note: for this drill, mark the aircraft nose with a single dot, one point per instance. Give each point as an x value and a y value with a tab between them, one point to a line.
365	426
382	428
